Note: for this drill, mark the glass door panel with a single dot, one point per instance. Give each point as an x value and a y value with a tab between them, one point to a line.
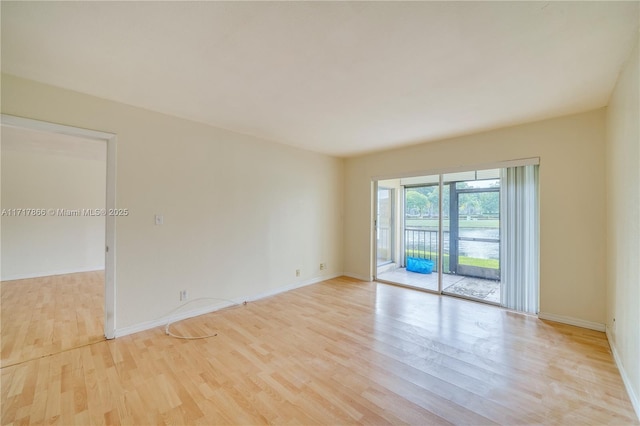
474	246
421	239
478	234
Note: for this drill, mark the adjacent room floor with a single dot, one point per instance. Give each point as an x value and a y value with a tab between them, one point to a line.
338	352
46	315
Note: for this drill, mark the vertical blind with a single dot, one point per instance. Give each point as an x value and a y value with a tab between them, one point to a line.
519	232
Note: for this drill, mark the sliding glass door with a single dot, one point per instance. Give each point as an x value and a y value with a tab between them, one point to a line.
469	234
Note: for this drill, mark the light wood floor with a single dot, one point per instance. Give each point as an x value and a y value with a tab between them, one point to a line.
338	352
43	316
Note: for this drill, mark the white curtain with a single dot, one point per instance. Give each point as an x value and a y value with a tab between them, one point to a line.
519	234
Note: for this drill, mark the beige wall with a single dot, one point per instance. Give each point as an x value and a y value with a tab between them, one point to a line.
36	246
623	224
240	214
572	198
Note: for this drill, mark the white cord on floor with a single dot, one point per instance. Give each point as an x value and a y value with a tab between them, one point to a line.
168	331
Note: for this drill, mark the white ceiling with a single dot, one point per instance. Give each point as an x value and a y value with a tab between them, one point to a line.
342	78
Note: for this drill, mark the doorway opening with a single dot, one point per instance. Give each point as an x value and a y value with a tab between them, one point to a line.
50	141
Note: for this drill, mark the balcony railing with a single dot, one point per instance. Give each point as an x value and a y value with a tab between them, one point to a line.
423	243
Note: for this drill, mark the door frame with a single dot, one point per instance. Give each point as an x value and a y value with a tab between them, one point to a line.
392	224
110	203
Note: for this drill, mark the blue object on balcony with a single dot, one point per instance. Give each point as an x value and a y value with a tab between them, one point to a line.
421	266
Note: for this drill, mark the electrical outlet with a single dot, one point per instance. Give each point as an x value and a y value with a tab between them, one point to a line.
297	272
183	295
323	266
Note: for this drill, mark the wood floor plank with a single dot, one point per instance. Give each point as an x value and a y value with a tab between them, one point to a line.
339	352
46	315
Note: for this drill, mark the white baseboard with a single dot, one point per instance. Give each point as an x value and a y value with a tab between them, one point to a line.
357	276
286	288
635	401
572	321
215	307
52	273
147	325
